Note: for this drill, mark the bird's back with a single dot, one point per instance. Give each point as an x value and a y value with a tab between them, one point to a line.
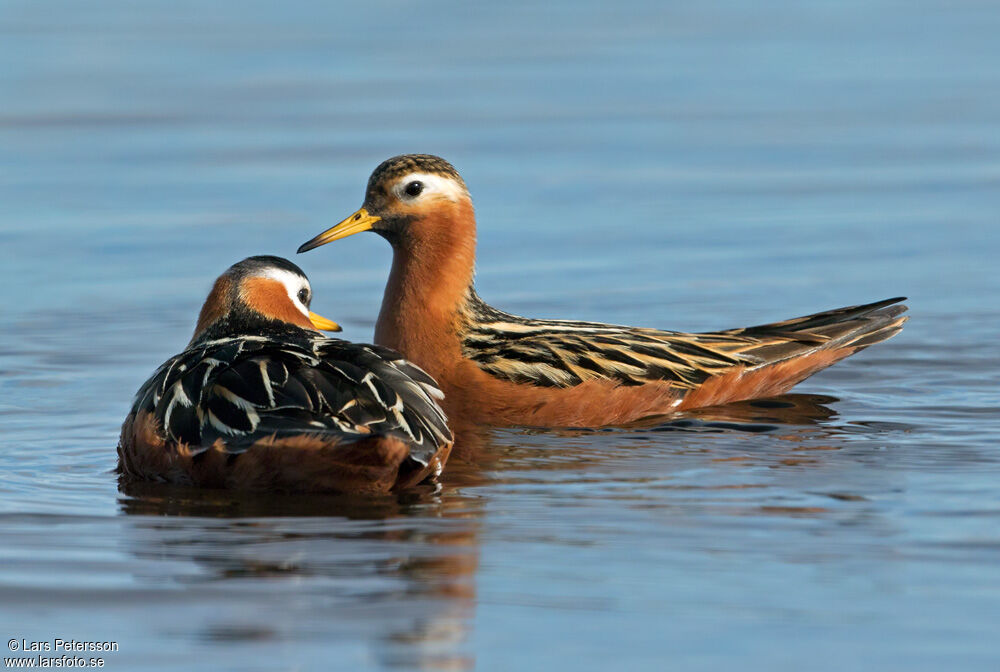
564	354
229	395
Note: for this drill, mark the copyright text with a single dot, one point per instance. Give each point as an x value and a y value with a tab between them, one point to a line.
64	648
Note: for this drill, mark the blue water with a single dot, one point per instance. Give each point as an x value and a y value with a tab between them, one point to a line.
685	165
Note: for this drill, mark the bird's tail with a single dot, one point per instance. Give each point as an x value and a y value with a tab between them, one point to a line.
782	354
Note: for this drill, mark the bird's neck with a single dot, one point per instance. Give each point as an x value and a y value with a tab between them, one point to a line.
430	281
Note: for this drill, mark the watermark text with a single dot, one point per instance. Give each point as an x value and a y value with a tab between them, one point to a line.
57	653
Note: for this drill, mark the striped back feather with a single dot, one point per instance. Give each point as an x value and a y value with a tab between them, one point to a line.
245	388
565	353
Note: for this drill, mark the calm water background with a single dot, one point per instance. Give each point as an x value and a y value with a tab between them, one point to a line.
684	165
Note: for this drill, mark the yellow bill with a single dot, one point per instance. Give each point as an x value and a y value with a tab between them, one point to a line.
356	223
322	323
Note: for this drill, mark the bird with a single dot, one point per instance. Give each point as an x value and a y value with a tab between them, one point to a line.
502	369
261	400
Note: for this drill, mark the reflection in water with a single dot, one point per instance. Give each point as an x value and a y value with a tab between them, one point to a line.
157	499
404	563
806	412
760	415
397	570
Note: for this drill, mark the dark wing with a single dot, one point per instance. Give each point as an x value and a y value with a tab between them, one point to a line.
557	353
400	397
244	389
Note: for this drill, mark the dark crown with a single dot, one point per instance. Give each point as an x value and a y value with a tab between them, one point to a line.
398	166
255	265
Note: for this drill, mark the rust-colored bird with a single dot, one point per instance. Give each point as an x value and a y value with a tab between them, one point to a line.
499	368
261	400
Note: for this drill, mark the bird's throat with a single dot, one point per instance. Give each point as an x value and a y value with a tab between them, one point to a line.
432	270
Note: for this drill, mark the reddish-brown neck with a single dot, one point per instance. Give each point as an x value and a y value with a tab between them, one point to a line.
432	268
215	305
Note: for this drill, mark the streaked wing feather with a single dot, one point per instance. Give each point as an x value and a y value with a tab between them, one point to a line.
240	390
560	353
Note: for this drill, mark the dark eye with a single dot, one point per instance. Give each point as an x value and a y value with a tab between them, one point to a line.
304	296
414	188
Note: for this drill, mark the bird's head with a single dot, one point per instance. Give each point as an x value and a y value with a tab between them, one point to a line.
409	198
261	289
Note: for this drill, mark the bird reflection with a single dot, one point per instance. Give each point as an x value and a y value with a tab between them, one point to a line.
789	416
756	415
398	570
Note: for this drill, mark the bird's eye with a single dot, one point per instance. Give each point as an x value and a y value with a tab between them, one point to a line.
304	296
414	188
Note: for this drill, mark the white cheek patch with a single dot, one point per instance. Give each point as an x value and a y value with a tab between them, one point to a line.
292	284
434	185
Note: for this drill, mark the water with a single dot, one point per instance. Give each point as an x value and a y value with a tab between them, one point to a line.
693	166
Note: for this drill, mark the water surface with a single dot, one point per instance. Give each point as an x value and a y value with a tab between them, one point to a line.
687	166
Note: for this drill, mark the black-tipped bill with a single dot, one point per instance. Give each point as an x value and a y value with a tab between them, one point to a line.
356	223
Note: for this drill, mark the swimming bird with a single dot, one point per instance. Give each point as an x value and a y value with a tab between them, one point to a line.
499	368
259	399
